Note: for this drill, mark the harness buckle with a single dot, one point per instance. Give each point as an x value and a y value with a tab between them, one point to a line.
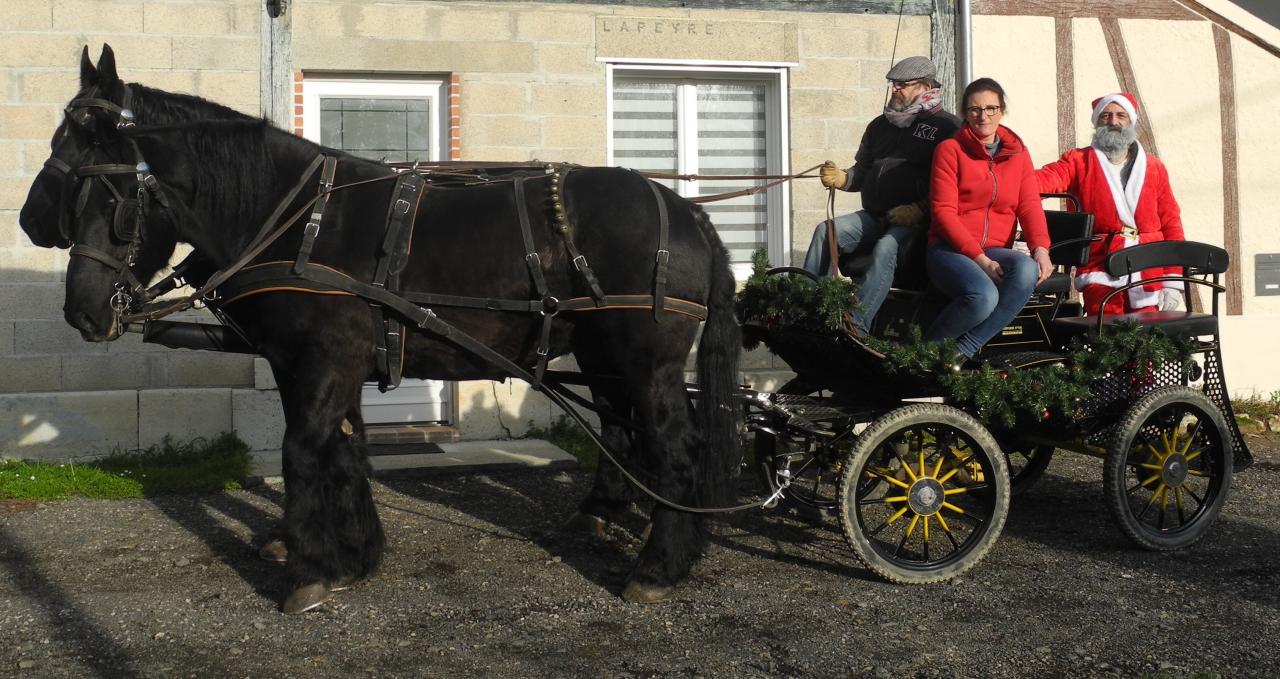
579	262
402	207
312	229
533	260
550	306
662	257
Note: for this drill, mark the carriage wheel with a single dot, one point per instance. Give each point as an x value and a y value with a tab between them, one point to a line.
925	494
1027	463
814	471
1168	468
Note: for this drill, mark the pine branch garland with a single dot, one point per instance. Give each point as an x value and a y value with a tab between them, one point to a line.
795	301
1003	396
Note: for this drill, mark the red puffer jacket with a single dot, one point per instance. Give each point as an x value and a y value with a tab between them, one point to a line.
977	200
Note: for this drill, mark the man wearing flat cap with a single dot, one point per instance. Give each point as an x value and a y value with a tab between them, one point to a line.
891	170
1128	192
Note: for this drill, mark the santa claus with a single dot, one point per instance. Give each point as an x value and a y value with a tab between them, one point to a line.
1128	192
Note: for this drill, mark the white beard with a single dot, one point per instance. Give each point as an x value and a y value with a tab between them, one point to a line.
1114	142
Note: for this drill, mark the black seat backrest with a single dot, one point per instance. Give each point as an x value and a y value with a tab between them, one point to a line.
1196	258
1071	234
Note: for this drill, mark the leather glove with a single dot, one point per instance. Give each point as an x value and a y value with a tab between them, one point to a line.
1170	299
832	176
906	215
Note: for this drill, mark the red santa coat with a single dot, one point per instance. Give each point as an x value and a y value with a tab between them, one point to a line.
1156	215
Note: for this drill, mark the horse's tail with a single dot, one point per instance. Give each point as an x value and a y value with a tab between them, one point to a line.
718	353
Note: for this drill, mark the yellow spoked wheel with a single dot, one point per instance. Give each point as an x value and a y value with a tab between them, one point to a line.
924	494
1168	469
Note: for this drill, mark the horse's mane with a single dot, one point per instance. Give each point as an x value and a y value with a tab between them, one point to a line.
234	162
161	106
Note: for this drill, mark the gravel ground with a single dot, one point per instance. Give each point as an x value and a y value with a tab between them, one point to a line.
479	581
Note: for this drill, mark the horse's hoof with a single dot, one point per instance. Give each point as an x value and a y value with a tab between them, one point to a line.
637	593
306	598
274	550
586	524
342	584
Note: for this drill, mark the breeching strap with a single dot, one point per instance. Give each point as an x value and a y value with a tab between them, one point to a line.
663	256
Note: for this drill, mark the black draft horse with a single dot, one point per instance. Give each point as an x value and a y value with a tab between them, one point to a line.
219	180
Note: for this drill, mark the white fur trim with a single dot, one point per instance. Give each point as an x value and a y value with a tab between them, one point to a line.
1125	196
1123	102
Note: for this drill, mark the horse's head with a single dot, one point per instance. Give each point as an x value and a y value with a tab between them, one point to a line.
43	216
109	209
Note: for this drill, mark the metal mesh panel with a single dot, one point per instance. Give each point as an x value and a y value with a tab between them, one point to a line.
1112	395
1215	389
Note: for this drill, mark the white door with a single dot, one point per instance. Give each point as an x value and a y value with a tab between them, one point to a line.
392	120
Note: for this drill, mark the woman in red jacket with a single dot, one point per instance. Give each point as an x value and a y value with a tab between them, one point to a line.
982	185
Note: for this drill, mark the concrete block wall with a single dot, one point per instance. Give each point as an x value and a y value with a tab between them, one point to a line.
60	396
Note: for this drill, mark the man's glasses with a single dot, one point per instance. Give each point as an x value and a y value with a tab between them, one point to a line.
900	84
975	111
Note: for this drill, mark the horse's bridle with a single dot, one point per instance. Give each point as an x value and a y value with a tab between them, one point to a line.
130	213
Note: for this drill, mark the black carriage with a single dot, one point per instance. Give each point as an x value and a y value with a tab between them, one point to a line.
921	481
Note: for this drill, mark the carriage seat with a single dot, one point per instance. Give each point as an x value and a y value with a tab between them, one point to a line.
1058	283
1070	234
1199	262
1173	323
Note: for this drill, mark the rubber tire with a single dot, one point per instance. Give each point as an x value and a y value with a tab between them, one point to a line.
1113	475
876	433
1029	475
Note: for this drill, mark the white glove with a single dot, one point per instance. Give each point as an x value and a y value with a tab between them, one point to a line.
1170	299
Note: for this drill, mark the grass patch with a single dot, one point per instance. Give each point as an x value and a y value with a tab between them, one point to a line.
198	466
566	434
1257	407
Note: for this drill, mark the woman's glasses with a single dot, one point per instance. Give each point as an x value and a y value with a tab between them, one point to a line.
976	111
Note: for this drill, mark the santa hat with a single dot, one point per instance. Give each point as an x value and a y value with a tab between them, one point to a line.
1126	100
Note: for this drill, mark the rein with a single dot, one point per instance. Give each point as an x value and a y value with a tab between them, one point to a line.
776	180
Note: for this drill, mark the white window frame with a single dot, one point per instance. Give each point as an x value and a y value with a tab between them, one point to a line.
394	87
775	77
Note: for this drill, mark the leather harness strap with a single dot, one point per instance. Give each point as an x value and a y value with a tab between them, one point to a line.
579	261
321	279
312	230
392	255
534	262
663	256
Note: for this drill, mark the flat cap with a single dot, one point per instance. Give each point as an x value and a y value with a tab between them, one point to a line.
912	68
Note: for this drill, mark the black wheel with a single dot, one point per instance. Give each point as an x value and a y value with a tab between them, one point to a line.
924	494
1027	463
811	464
1168	469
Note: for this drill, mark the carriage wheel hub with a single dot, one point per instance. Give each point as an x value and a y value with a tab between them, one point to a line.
926	496
1174	470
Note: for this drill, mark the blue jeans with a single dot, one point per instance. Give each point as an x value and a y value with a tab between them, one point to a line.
853	231
979	308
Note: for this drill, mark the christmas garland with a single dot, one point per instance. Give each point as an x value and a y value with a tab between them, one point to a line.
1004	396
795	301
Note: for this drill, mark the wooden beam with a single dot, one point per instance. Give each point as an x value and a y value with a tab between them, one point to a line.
1230	170
1063	41
1085	9
942	49
1230	25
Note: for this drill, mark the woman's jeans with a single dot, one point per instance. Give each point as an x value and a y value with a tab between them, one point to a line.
979	308
859	231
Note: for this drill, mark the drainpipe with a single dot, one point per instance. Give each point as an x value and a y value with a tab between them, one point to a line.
964	45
